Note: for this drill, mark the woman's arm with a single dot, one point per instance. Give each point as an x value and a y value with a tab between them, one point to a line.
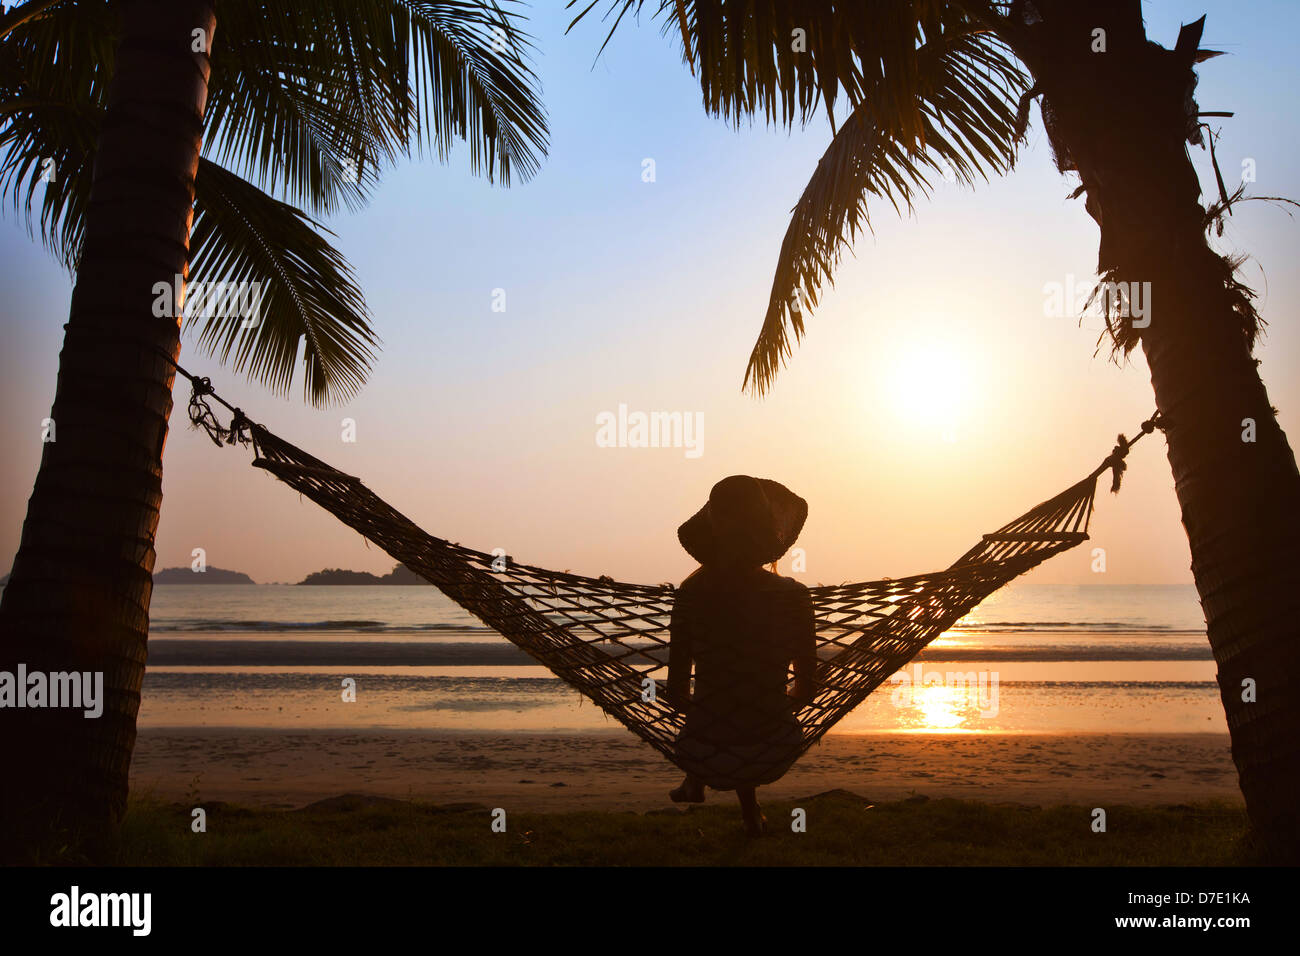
805	659
678	691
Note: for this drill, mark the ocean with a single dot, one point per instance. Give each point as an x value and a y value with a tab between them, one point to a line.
1033	658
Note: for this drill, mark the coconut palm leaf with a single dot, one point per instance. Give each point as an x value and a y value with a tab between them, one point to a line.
54	66
303	94
788	58
24	13
926	87
301	97
309	295
40	139
968	115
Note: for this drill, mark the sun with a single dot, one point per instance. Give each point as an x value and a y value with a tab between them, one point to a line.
931	387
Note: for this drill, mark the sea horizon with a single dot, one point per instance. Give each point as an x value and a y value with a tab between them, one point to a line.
1033	658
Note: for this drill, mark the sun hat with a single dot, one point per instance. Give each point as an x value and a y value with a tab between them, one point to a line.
746	521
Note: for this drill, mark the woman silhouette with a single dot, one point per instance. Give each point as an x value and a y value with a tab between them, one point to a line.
743	627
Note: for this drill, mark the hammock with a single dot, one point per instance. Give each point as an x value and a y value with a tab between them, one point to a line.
609	639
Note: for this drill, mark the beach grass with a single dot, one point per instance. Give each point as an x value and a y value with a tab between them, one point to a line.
841	829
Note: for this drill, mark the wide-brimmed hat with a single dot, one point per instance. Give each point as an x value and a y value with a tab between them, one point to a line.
745	521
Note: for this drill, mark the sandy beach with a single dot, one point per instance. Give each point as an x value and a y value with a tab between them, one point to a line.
613	770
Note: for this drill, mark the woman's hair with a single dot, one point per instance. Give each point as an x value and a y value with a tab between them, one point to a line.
771	567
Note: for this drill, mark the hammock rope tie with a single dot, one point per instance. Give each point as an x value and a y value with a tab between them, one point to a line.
1115	461
610	639
202	416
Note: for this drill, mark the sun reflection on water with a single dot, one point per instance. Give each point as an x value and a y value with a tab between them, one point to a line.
940	708
952	707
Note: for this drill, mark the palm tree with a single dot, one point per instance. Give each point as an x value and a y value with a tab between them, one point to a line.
165	139
929	86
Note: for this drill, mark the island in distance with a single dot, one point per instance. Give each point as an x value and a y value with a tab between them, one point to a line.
401	574
209	575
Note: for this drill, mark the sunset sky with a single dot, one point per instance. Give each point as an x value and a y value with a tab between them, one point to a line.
481	425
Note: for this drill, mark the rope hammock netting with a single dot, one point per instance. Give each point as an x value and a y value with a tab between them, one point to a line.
610	640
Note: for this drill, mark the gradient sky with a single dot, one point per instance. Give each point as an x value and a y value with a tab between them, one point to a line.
481	425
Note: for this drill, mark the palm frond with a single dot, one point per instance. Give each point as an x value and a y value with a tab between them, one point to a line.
301	96
55	61
45	173
786	59
309	296
967	96
24	13
311	100
282	113
240	234
928	85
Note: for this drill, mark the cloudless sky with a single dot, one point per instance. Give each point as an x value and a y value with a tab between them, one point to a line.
932	400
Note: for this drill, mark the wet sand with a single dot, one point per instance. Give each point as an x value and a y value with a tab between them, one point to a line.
613	770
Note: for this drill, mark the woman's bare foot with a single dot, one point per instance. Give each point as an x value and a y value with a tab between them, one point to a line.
691	791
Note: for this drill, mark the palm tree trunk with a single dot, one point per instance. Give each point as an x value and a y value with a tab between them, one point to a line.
78	597
1240	504
1122	119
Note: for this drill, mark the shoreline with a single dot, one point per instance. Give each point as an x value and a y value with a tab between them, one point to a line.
612	770
260	650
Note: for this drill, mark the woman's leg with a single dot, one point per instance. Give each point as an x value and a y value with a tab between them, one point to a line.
750	810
